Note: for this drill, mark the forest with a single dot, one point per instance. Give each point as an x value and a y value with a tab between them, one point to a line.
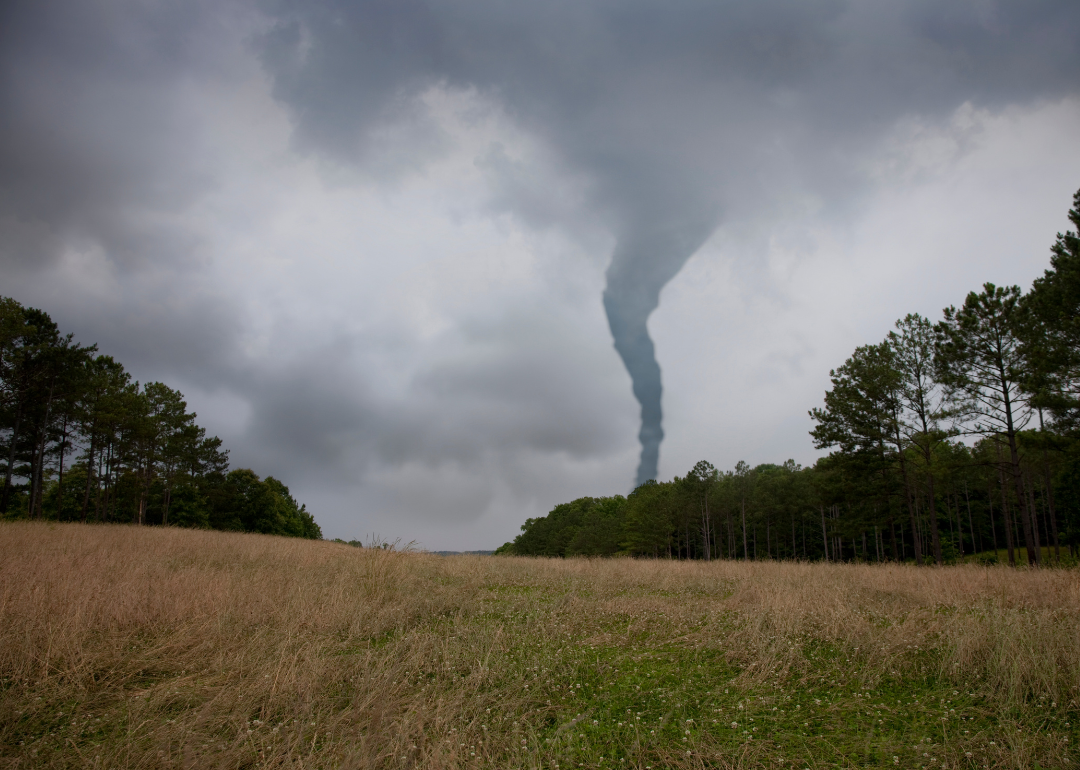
949	440
82	442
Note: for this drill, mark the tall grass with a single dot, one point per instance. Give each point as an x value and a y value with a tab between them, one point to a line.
152	647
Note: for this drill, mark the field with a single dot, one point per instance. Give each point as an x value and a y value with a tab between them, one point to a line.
152	647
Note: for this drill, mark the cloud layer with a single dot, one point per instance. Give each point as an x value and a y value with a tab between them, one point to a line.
370	240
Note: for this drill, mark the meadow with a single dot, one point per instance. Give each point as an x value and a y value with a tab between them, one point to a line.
154	647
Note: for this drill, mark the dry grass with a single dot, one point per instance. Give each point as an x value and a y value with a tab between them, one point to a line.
151	647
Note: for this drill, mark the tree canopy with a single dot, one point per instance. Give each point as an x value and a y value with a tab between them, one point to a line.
83	442
946	439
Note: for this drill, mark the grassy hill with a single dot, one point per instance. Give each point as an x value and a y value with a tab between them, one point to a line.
155	647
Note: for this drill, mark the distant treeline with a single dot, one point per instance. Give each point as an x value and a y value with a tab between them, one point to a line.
82	442
947	439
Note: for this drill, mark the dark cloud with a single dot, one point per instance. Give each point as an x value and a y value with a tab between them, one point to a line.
526	384
96	147
653	124
677	112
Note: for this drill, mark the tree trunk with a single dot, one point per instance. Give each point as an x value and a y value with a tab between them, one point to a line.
37	500
33	479
971	524
1049	486
60	475
1036	536
1050	506
37	493
1005	514
916	530
824	533
107	487
167	494
11	461
1053	518
745	549
935	538
960	529
89	479
912	504
1045	516
705	545
1021	499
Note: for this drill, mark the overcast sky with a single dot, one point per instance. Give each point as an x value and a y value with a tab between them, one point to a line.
369	241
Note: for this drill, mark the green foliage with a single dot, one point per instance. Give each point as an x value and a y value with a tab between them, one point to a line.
648	519
860	410
1051	333
900	482
600	530
82	442
189	508
587	526
684	518
1067	493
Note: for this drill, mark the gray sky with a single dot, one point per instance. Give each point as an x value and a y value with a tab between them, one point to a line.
368	241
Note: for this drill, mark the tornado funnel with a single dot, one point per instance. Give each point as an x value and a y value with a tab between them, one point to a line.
643	262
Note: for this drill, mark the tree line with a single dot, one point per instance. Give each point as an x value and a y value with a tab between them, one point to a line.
83	442
947	439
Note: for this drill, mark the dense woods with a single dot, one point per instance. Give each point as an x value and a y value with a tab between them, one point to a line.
82	442
948	439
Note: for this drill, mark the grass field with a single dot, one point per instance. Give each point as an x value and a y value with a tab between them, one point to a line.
152	647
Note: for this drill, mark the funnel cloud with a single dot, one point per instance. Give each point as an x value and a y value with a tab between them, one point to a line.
671	112
641	266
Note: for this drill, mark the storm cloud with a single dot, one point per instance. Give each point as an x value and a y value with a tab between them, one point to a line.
675	113
385	247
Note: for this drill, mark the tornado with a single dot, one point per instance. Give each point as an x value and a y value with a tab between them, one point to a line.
644	260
